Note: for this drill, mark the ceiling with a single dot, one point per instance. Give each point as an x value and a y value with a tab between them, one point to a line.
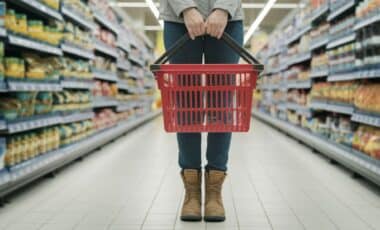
146	17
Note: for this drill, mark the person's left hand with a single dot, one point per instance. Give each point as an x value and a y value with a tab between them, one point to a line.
216	23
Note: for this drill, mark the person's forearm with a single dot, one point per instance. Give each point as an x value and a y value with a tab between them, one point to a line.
230	6
180	5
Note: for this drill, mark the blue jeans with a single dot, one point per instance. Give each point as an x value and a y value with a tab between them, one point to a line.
215	52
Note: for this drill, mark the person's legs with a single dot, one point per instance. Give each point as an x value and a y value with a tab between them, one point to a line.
189	143
217	52
218	144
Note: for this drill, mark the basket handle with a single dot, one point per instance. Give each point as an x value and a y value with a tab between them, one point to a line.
249	58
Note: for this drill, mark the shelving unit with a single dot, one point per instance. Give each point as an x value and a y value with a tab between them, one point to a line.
38	8
70	12
67	83
104	75
332	107
80	52
357	162
341	41
341	71
339	8
17	86
105	49
27	43
69	94
35	168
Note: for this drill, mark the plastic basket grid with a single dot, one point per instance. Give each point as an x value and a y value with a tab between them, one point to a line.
206	98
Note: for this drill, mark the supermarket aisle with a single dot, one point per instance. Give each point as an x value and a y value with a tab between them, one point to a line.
273	183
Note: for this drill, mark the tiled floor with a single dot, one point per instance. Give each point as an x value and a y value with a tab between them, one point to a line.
133	183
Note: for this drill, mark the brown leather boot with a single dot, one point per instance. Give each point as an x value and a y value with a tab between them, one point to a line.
192	205
214	209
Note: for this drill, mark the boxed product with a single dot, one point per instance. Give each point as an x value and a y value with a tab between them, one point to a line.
25	146
367	140
367	98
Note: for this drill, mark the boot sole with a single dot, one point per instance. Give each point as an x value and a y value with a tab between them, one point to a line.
191	218
214	218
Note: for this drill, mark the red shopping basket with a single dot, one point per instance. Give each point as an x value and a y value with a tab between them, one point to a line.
207	97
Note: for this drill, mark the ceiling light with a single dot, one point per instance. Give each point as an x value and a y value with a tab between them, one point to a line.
275	6
152	28
259	19
244	5
155	11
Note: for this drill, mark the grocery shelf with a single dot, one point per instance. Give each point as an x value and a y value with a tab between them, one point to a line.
136	60
35	168
122	85
299	109
365	73
332	107
104	75
3	125
79	19
24	85
123	64
35	122
123	106
100	102
352	159
80	52
319	42
28	43
319	73
365	118
134	74
68	83
342	8
39	8
369	73
299	58
78	116
341	41
105	48
299	84
297	35
3	87
3	32
275	52
367	21
279	86
282	107
105	22
343	76
318	13
124	46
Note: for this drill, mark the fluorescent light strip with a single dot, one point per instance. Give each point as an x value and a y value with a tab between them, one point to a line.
244	5
153	8
155	11
275	6
258	20
152	28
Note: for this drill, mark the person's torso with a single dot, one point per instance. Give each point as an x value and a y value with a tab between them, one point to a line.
204	6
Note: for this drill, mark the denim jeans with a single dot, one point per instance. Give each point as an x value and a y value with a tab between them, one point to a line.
212	51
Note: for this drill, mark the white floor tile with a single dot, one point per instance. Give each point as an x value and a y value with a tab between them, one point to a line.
273	183
66	226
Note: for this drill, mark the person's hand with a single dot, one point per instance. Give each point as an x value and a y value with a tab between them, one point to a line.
216	23
194	22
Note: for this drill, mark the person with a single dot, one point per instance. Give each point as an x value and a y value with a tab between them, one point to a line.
205	21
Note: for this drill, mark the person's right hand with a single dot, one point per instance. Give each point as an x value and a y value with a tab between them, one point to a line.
194	22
